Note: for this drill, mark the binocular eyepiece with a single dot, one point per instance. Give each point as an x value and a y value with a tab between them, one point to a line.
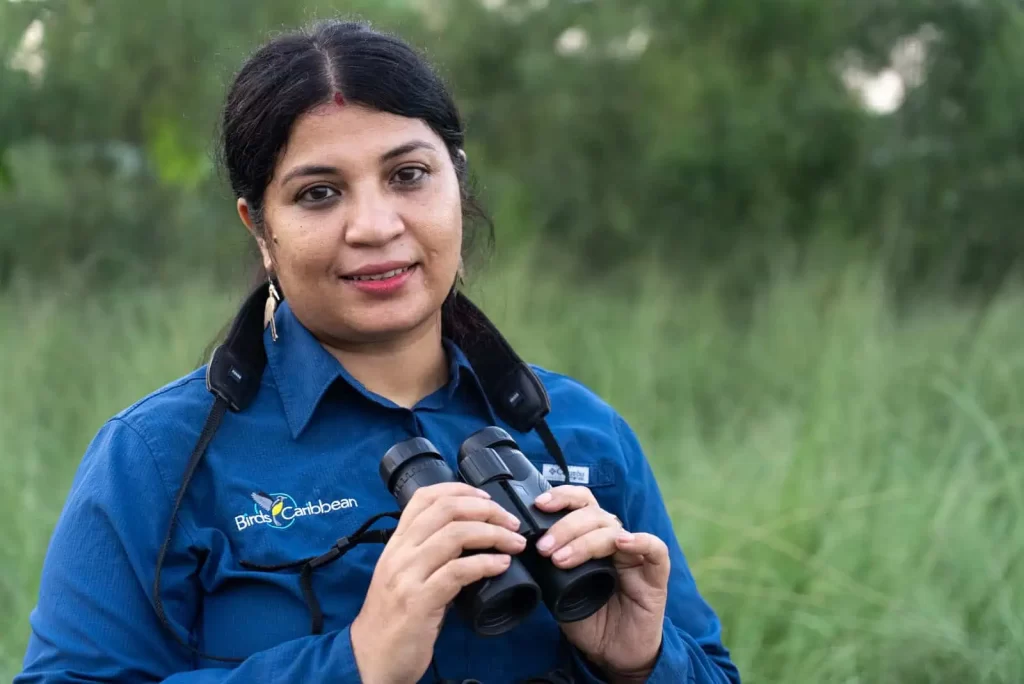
491	460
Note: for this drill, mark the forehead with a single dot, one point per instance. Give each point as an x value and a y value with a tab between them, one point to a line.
350	135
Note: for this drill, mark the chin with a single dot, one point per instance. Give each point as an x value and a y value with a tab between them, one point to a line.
384	325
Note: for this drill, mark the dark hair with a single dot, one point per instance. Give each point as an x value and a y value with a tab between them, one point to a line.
301	69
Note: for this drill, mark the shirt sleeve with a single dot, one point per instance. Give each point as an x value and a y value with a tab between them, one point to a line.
95	619
692	651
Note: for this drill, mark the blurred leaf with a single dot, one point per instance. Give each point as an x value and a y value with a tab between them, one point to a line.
6	178
174	154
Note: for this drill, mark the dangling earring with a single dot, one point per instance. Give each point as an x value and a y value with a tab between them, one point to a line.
269	309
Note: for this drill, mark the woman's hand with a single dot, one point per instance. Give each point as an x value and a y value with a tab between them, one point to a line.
421	571
624	637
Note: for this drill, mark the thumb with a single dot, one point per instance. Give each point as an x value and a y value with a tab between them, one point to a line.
652	553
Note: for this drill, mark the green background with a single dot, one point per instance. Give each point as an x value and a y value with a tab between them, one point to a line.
804	297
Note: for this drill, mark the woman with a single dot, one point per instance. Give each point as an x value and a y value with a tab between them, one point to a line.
346	156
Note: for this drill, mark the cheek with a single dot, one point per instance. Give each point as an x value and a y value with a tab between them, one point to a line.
443	243
442	234
302	245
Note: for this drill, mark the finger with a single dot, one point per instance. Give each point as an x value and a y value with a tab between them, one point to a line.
447	510
575	525
446	582
457	537
565	496
424	497
599	543
648	550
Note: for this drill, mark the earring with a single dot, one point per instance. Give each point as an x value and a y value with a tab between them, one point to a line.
269	309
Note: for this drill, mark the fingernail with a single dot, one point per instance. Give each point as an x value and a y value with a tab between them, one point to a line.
543	498
562	554
625	537
545	543
520	541
513	521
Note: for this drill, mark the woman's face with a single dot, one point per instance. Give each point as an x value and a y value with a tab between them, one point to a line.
363	224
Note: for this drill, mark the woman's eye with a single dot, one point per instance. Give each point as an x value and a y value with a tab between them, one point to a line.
317	194
410	174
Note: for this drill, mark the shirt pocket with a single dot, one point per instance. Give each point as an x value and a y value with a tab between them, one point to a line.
593	457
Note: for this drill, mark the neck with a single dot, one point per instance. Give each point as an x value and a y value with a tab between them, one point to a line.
404	370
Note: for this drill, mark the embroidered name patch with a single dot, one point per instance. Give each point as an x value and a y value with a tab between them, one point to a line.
577	474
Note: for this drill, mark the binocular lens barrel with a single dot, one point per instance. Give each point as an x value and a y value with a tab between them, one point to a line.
412	464
493	605
490	459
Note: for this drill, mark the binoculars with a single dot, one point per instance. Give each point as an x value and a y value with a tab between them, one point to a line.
491	460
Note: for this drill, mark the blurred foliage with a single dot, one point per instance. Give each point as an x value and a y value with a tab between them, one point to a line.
715	133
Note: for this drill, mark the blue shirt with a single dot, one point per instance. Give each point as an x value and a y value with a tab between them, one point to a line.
314	437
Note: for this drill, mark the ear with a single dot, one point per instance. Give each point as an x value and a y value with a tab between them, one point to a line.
246	215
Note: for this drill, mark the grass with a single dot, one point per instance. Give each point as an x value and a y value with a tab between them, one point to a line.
848	485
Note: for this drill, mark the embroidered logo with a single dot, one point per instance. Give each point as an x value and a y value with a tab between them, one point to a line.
279	511
577	474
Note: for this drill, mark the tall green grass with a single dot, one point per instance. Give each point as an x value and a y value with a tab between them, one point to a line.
848	485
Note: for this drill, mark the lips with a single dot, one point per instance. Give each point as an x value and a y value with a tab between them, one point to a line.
381	271
381	276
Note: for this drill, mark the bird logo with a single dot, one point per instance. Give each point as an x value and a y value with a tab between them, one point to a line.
274	505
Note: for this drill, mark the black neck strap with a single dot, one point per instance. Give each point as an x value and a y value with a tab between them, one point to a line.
515	391
236	366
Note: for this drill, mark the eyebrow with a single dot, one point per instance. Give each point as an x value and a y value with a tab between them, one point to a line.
320	169
406	149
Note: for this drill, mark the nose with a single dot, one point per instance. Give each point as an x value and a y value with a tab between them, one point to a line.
372	219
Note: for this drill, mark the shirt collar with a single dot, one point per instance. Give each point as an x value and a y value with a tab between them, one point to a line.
303	372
